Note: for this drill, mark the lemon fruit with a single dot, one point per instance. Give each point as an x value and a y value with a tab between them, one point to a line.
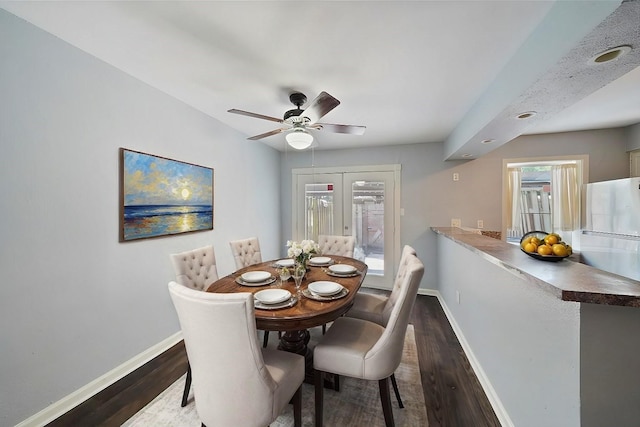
559	250
551	239
531	248
544	250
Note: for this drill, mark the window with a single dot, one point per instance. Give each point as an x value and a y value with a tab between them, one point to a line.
543	195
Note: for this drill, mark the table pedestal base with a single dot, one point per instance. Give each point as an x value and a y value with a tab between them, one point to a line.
296	342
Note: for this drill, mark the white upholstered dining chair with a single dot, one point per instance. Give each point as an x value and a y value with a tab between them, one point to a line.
377	308
362	349
195	269
246	252
337	245
235	382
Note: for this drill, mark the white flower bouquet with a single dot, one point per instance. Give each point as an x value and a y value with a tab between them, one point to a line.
302	251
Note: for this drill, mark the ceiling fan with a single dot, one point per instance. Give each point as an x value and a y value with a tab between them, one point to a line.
298	122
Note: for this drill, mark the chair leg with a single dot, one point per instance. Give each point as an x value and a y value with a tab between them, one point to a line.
266	339
297	408
385	398
395	390
336	382
319	385
187	386
324	328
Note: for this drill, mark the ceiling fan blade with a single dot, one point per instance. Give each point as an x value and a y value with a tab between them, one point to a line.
320	106
266	134
350	129
257	116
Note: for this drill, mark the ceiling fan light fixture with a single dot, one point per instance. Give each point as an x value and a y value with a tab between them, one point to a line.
299	139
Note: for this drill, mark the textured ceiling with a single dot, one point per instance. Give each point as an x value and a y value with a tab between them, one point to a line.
454	72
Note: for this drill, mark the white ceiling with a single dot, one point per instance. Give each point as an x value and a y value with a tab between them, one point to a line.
419	71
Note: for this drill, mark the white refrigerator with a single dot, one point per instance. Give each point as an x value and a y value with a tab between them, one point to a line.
610	240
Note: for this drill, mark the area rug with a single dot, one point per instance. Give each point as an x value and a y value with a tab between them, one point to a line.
356	404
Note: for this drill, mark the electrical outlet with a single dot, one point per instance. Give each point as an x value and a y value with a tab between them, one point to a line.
456	176
480	223
455	222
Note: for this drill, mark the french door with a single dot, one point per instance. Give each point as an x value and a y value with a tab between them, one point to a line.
356	202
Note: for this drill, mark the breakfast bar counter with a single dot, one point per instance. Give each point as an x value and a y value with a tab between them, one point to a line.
568	279
552	343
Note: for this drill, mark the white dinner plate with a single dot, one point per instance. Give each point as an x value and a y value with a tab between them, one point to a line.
255	276
342	269
287	262
320	260
325	288
272	296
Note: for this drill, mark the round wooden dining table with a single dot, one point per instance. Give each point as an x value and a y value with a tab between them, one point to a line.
306	313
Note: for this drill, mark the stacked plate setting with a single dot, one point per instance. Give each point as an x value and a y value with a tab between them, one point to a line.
256	276
325	288
272	296
342	269
286	262
320	260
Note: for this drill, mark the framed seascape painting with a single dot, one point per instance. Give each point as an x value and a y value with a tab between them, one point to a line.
160	196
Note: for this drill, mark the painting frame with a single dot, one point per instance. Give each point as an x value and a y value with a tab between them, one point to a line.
161	197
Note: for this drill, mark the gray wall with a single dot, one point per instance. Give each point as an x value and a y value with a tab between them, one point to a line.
75	303
430	197
609	363
633	142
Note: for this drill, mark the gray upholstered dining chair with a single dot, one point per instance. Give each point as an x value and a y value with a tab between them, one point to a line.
236	383
195	269
337	245
362	349
246	252
377	308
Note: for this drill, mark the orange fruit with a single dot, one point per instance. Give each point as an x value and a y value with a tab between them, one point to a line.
545	250
530	247
551	239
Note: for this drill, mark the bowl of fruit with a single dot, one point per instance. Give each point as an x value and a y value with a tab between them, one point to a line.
545	246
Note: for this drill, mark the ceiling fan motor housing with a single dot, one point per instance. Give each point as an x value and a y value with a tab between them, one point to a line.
293	113
298	99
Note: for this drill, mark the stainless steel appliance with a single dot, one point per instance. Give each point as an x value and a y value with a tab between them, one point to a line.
611	239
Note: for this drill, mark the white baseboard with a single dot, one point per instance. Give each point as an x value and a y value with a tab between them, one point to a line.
493	397
69	402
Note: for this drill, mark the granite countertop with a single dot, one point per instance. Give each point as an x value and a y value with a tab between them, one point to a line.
568	280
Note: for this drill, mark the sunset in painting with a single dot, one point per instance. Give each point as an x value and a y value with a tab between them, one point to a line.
163	196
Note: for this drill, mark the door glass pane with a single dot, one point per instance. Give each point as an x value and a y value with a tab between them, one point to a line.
367	223
318	215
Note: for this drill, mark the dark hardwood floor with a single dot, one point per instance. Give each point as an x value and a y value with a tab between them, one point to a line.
452	393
